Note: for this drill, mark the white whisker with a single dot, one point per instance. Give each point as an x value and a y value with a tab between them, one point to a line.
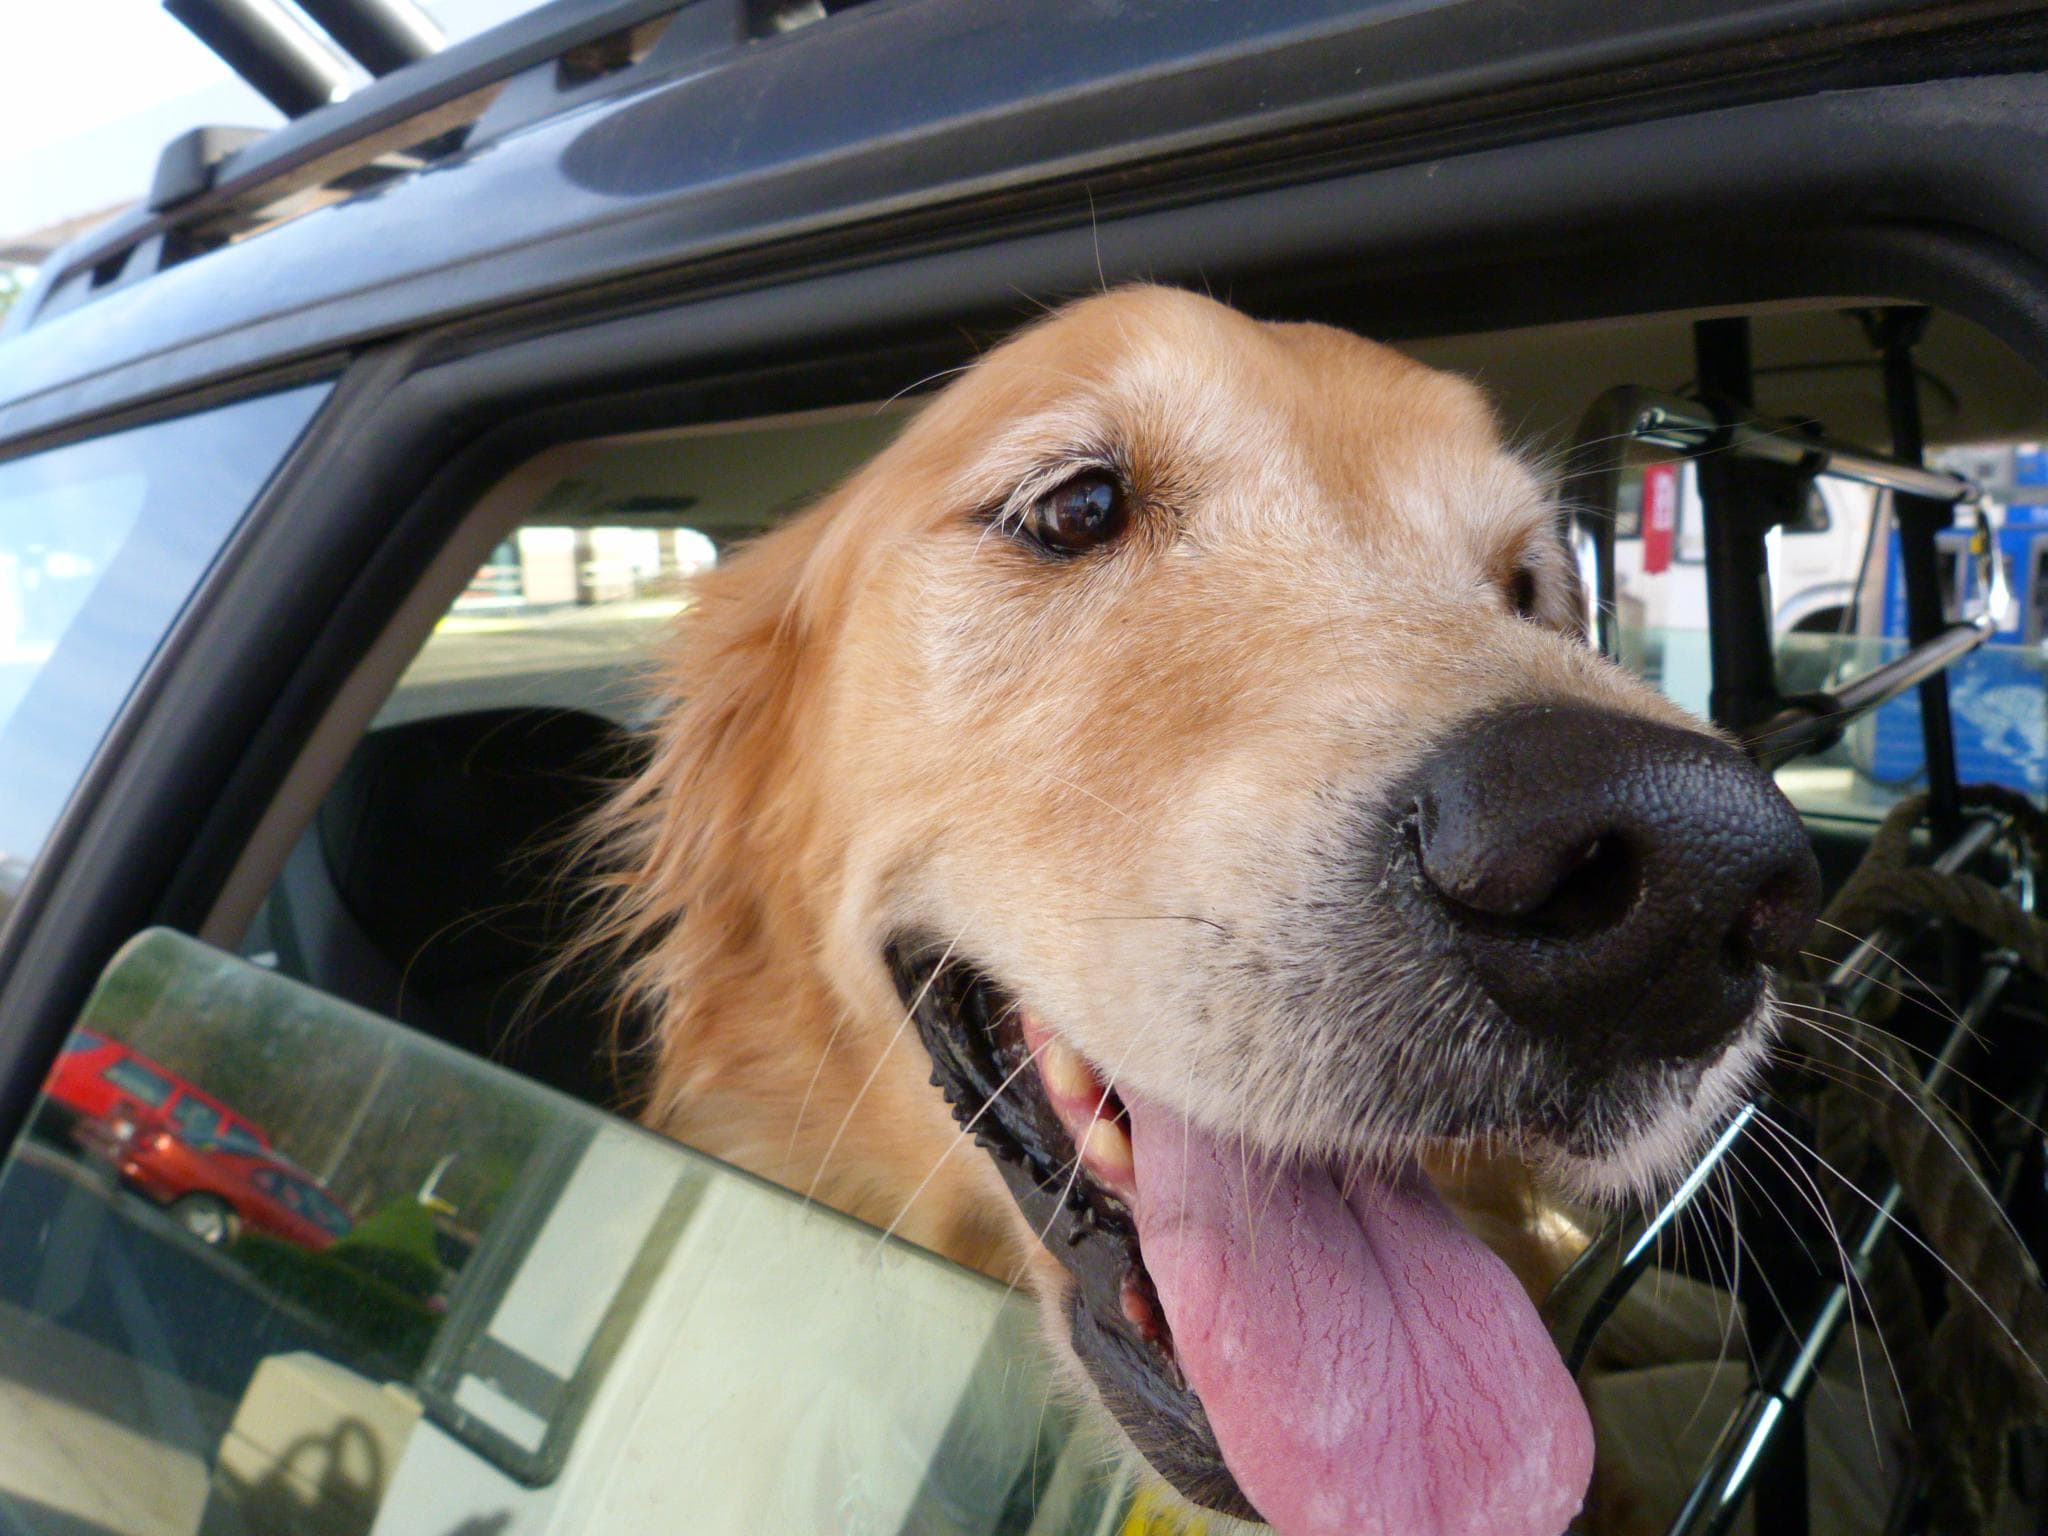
881	1060
1927	1248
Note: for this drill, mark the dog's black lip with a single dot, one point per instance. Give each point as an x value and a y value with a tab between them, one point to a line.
957	1009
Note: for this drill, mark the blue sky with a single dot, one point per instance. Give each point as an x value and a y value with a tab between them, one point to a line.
90	90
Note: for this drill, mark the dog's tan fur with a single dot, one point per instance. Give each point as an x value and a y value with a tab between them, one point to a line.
1086	776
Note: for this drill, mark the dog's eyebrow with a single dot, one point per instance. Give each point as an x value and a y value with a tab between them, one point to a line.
1037	448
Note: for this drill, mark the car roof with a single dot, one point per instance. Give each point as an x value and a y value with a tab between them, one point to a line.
538	163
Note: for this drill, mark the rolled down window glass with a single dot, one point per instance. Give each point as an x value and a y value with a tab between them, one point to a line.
504	1311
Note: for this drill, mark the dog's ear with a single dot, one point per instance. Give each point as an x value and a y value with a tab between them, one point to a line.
691	878
723	866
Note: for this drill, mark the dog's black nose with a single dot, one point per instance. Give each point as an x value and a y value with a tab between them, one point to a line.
1614	883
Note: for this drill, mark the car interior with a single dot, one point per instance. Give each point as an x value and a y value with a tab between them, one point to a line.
351	904
431	872
436	880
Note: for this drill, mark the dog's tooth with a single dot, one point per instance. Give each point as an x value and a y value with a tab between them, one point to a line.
1067	1076
1107	1151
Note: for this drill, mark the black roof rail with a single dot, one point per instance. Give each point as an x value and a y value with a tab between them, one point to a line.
186	165
205	186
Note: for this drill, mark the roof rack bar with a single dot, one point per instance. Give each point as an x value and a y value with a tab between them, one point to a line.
444	82
380	35
1812	722
1747	701
1631	414
285	62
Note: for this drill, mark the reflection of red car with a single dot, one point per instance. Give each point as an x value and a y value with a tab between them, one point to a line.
213	1190
95	1074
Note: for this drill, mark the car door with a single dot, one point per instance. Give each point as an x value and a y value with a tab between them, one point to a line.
1401	225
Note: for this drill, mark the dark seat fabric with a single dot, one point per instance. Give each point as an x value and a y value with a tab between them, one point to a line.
438	885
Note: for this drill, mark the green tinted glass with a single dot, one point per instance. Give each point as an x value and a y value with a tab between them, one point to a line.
519	1314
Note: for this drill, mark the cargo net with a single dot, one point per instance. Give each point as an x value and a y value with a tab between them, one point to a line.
1873	1225
1962	1314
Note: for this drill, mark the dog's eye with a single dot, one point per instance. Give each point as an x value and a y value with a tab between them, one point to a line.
1522	593
1088	510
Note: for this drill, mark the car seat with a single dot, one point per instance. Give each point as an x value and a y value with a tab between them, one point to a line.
437	885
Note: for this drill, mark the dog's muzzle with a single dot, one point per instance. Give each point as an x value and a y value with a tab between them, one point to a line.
1583	905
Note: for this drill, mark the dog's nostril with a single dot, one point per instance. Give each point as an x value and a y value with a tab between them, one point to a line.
1539	887
1596	890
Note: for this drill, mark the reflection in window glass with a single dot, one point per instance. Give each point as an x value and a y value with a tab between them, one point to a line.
101	543
542	1320
53	541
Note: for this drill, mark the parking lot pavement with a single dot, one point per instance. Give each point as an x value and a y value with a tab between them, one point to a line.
584	658
85	1447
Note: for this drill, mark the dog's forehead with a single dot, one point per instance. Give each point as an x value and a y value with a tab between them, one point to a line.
1204	395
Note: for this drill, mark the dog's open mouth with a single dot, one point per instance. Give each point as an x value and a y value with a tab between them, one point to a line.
1280	1342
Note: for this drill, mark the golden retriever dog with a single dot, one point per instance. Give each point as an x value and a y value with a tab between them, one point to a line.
1152	811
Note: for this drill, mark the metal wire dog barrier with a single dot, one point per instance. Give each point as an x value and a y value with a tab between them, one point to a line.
1932	1180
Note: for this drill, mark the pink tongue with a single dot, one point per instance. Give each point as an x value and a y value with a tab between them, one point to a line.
1367	1366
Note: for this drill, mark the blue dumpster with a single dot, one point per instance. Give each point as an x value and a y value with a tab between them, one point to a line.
1996	697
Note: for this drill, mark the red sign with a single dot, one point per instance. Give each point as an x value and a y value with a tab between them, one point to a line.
1660	516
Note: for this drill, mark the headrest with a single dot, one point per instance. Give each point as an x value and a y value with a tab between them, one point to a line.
450	840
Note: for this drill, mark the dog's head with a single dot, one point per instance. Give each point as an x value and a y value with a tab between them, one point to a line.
1179	746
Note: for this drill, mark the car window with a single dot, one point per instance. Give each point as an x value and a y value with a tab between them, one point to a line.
101	543
565	609
311	1203
133	1078
194	1120
301	1199
557	614
544	1319
1833	580
81	1040
239	1138
1839	611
